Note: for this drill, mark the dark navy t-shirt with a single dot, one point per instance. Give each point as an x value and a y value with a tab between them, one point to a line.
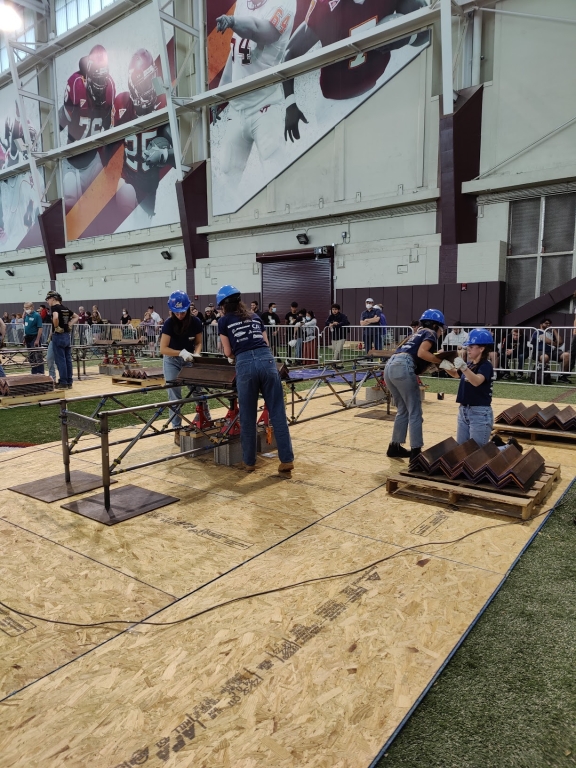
413	344
468	394
243	335
182	340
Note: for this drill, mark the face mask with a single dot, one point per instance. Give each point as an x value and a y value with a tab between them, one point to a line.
308	317
28	311
124	313
368	306
273	309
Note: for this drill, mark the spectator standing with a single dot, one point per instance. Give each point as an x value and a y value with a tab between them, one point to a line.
2	337
195	312
13	318
44	314
5	318
155	316
383	324
62	320
210	330
370	318
337	322
81	316
254	308
33	337
125	319
271	318
96	316
292	316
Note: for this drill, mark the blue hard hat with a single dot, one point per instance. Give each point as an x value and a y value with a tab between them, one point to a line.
225	293
178	301
433	314
479	336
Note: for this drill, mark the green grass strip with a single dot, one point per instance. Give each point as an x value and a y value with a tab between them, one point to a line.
507	699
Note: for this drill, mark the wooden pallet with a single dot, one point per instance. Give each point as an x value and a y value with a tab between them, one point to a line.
533	433
7	401
511	502
137	382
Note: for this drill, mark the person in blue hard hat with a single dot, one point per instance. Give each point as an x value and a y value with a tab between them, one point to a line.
409	360
244	342
180	343
475	417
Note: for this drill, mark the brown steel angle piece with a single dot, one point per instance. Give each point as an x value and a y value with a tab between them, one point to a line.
428	460
528	416
510	414
545	417
502	464
566	418
475	464
525	471
452	461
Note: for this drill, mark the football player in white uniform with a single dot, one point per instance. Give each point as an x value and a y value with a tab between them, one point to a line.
261	31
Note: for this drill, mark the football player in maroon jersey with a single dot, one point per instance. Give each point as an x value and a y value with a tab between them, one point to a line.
146	152
13	145
87	110
327	22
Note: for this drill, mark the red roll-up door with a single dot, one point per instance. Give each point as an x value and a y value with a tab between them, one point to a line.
307	281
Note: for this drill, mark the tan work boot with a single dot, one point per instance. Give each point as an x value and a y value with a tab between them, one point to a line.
249	467
286	467
177	437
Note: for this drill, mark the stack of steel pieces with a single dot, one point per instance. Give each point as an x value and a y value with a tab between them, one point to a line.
475	464
25	384
551	417
143	373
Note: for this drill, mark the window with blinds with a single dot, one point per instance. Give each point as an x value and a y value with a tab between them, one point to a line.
540	247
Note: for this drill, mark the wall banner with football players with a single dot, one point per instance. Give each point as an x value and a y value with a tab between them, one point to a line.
104	82
19	227
258	135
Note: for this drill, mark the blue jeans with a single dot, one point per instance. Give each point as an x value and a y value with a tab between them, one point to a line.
2	374
474	421
400	378
63	357
172	367
256	372
51	361
36	356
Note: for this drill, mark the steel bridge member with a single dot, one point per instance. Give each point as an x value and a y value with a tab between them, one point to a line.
409	360
245	342
180	343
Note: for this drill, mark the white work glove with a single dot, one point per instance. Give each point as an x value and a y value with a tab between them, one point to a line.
460	364
446	365
185	355
232	360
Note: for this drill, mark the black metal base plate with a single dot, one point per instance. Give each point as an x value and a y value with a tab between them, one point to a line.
126	502
55	488
376	415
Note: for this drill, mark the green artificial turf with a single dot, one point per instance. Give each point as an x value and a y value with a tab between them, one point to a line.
507	699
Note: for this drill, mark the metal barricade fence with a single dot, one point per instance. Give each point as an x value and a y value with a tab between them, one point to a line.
14	334
211	339
353	341
300	344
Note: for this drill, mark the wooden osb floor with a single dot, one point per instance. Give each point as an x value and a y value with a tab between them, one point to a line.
320	675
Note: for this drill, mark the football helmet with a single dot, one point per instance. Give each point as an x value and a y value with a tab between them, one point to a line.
254	4
141	73
97	74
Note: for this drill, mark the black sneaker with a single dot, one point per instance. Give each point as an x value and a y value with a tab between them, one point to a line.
497	440
563	379
396	451
415	452
506	377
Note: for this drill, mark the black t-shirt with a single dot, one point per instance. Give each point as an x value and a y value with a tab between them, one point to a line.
64	315
270	318
243	335
413	344
125	319
291	318
183	338
468	394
